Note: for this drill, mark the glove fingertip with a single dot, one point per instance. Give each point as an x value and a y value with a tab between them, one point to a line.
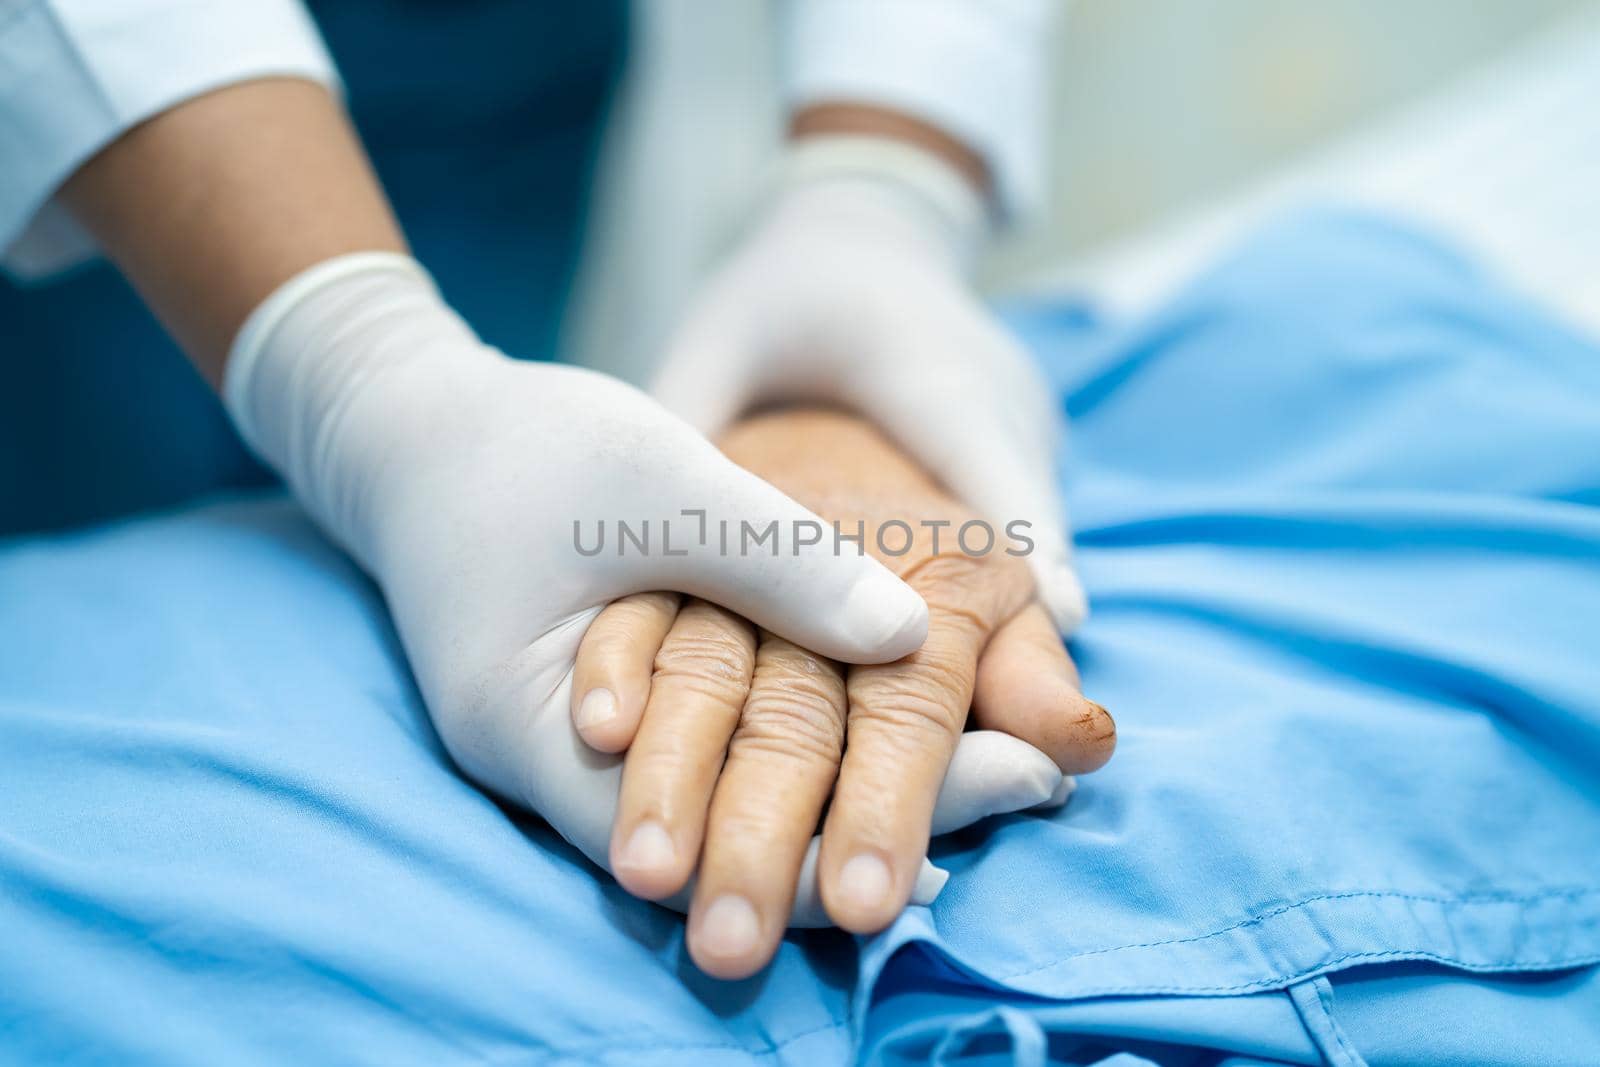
807	912
1060	794
992	773
883	618
930	882
1063	597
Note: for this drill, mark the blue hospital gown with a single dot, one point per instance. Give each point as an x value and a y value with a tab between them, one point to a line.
1339	513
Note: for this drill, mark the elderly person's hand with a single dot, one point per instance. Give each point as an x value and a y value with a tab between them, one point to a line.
736	738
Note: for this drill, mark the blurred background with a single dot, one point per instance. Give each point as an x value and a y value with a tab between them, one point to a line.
1158	107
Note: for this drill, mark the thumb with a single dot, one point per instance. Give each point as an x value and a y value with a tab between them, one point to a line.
758	553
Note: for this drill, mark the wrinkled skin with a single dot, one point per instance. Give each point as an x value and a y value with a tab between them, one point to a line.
736	739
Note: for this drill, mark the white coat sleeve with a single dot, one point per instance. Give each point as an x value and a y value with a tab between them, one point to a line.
76	74
974	68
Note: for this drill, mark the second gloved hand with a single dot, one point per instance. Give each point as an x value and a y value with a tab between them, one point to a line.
850	290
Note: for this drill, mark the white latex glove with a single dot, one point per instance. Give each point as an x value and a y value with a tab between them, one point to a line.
851	290
455	475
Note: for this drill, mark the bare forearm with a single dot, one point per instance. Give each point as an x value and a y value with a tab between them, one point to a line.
873	121
210	206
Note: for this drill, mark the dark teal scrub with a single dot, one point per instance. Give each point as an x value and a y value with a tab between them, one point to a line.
482	118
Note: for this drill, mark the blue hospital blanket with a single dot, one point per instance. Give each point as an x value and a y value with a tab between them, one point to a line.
1339	514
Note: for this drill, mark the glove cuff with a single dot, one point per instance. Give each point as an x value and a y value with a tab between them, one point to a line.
315	375
244	357
935	189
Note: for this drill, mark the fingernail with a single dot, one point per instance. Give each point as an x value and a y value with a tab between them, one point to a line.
598	706
886	616
729	929
864	882
649	849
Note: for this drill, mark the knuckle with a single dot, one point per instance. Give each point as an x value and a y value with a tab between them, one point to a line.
807	676
796	705
790	726
618	642
934	689
947	570
715	664
660	777
775	653
700	689
908	712
702	651
642	609
955	586
946	676
748	827
972	595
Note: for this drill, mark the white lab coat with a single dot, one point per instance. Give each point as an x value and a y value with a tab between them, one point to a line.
76	74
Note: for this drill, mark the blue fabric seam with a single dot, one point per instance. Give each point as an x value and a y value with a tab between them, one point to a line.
1324	990
1467	898
603	1047
1313	1002
1395	955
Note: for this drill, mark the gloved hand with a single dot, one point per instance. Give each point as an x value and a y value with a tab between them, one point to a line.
455	476
851	290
